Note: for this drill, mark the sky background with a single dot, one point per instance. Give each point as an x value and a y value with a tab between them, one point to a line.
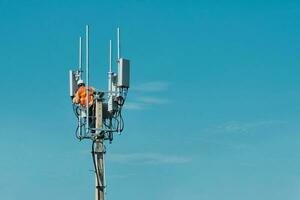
212	113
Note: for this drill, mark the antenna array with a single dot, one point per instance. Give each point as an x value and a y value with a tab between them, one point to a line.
99	114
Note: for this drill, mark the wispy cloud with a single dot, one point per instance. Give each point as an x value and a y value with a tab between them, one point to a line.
145	101
223	144
245	127
148	158
242	126
152	86
153	100
211	135
134	106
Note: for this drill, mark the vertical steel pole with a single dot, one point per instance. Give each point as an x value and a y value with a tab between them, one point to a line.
110	72
99	151
118	39
87	76
119	54
110	81
80	58
80	78
110	69
110	56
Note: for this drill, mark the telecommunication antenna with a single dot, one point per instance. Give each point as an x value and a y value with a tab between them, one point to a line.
98	112
118	39
87	74
80	57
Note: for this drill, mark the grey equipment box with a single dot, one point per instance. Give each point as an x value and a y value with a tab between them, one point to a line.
73	83
123	73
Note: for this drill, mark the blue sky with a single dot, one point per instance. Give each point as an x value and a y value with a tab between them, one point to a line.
213	111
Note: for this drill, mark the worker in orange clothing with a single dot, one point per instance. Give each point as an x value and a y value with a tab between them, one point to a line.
80	96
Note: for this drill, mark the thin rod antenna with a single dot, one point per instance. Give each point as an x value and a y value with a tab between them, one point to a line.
110	57
80	77
110	72
87	74
118	39
80	58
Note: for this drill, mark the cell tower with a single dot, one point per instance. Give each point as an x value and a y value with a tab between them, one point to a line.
98	112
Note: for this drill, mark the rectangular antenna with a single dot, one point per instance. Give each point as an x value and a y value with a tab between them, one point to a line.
73	82
87	74
123	73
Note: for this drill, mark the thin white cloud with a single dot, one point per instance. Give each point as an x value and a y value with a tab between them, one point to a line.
245	127
211	134
153	100
134	106
152	86
148	158
224	144
144	102
242	127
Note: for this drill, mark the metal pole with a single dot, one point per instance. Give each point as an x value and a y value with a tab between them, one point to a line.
80	78
119	55
110	82
99	151
80	58
104	178
110	56
118	39
87	76
110	70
